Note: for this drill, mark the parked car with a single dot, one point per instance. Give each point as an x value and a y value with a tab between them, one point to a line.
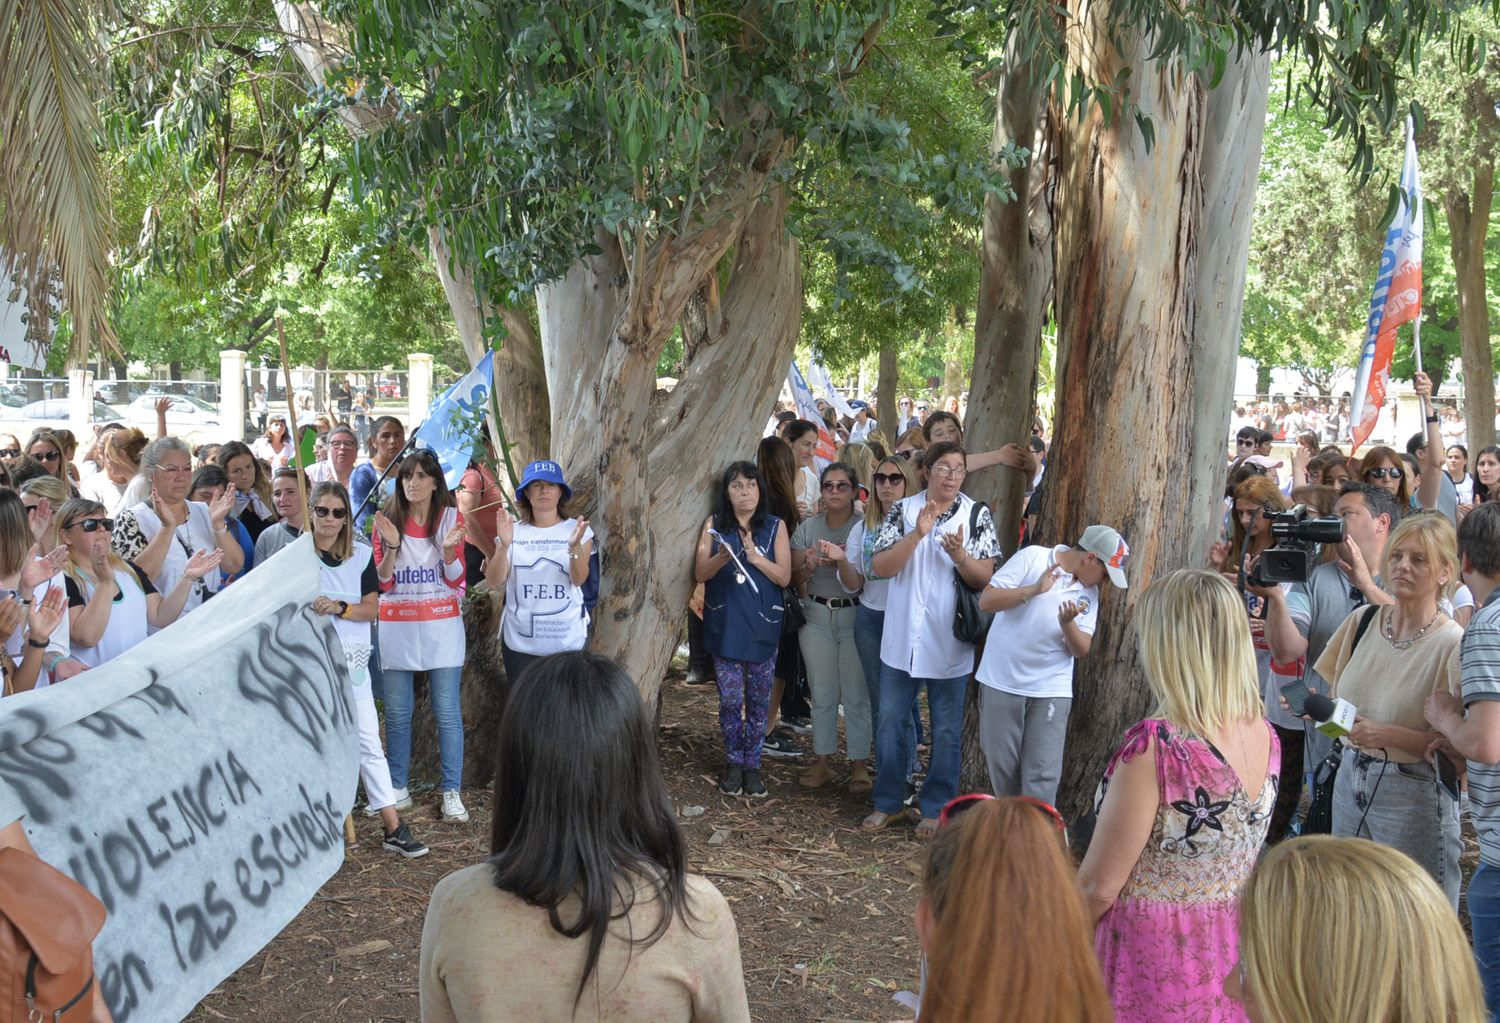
52	413
186	412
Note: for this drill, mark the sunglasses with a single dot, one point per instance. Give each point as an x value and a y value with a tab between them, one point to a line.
93	525
958	805
892	478
923	408
905	456
836	486
47	456
10	452
1384	474
1245	443
323	513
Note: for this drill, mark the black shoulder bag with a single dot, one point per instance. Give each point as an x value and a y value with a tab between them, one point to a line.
970	625
1320	810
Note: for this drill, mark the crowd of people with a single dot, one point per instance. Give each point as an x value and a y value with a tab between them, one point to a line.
834	595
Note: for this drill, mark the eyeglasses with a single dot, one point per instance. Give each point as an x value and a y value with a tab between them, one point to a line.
323	513
836	486
891	478
10	452
1384	474
958	805
47	456
1245	442
950	471
93	525
344	444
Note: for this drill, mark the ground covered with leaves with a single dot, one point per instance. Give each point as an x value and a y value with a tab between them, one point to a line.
824	910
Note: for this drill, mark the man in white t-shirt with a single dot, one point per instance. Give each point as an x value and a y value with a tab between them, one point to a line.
1046	601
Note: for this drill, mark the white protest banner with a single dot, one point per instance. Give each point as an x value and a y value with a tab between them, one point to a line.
197	785
821	377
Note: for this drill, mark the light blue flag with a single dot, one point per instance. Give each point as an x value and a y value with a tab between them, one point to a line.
452	428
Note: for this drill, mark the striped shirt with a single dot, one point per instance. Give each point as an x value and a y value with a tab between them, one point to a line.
1481	681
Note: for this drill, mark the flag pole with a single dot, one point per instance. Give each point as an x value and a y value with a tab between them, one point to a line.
291	410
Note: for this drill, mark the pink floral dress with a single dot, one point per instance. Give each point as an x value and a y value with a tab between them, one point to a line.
1170	939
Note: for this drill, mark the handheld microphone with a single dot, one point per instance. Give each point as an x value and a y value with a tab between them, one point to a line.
1335	718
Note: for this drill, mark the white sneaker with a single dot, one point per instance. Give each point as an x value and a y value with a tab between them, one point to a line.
403	802
453	807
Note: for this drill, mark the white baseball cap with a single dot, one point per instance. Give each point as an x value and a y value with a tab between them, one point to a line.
1110	547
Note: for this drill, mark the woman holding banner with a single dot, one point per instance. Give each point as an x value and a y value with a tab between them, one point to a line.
351	599
418	559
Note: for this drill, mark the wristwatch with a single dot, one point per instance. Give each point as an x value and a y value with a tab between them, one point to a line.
343	609
38	644
1432	419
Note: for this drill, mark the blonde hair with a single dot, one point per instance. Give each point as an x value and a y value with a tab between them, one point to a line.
82	508
1438	540
1338	929
1195	648
913	438
860	458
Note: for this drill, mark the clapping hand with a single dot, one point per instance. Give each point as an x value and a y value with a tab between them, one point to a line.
12	614
45	615
575	542
390	536
505	528
202	563
1067	611
451	541
953	544
1046	582
39	518
222	505
168	520
39	567
831	552
927	518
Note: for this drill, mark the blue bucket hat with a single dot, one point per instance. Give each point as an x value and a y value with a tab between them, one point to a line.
544	472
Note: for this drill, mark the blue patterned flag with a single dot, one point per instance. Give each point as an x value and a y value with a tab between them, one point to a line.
453	424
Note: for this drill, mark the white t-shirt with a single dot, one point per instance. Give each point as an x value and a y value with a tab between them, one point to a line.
874	591
1025	653
544	611
128	618
58	644
99	487
808	489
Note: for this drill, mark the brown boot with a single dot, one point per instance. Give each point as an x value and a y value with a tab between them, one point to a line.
817	776
859	778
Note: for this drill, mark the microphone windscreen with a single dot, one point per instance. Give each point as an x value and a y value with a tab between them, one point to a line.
1318	707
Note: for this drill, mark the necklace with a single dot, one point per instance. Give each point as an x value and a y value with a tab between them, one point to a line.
1390	632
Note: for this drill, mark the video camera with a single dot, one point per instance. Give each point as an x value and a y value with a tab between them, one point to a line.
1297	540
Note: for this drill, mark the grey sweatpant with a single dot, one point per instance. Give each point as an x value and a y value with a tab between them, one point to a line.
1022	738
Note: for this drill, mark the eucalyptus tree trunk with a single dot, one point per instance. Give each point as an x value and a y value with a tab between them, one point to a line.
1015	283
1468	225
645	469
1151	253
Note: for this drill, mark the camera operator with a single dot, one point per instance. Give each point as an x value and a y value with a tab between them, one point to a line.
1257	501
1300	619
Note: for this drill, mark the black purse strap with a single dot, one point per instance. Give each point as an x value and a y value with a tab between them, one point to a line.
1364	626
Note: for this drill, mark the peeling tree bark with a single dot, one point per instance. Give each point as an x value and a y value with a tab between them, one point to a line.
1151	253
662	458
1014	285
1468	225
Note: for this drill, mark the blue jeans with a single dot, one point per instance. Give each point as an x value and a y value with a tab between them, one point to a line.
895	740
442	686
868	626
1484	918
377	678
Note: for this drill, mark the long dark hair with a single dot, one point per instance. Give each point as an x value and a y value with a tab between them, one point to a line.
778	475
397	509
1481	492
580	808
724	518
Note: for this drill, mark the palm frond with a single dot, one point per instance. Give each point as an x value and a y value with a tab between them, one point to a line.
56	215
